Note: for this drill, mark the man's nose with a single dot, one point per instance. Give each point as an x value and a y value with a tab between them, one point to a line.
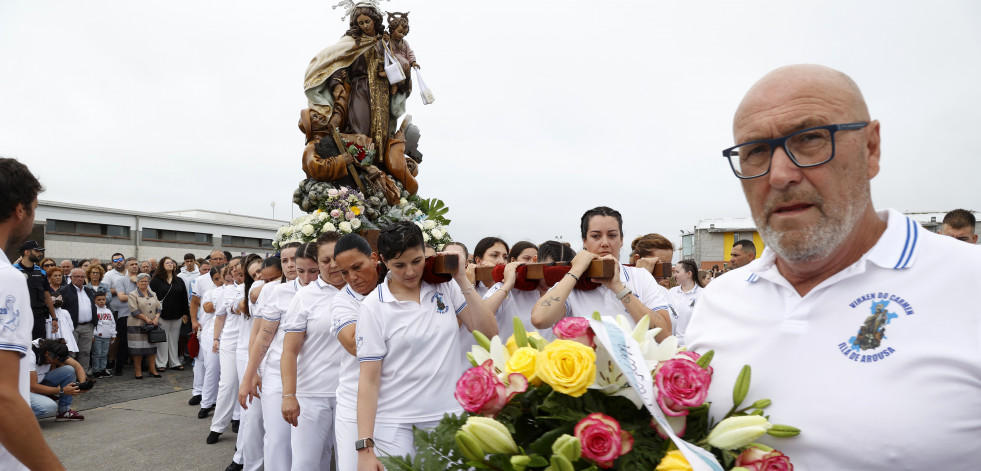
783	170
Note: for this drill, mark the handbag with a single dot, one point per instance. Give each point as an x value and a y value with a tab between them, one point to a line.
156	335
393	70
192	345
424	91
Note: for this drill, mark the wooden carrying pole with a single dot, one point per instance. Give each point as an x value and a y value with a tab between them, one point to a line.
536	271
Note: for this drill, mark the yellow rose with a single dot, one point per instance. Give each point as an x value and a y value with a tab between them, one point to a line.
673	461
523	361
356	210
512	345
568	367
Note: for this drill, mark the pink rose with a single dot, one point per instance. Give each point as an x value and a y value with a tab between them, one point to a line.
755	459
694	356
576	329
335	213
349	215
332	192
681	384
343	191
479	390
602	440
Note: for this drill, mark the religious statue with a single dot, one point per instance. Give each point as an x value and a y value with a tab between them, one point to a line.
351	126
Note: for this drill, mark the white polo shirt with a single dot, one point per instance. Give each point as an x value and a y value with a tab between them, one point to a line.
265	296
582	303
317	362
231	295
282	300
518	304
683	303
199	288
419	348
245	329
879	365
344	311
16	323
206	319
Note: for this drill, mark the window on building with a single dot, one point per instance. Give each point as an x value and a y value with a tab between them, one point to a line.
250	242
55	226
180	237
688	246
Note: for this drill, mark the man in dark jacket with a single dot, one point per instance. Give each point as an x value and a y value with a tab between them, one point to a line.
79	301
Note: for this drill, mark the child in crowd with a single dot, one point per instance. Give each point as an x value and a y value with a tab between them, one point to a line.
65	325
105	334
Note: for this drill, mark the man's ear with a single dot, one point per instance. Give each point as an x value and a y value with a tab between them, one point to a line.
873	150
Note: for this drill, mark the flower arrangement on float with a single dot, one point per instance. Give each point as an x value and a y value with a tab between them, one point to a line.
568	405
346	210
342	211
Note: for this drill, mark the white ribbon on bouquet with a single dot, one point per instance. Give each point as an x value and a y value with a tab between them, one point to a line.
626	353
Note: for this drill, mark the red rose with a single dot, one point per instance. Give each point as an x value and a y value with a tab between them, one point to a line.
602	440
755	459
681	384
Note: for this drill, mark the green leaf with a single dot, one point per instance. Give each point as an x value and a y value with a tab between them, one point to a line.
741	388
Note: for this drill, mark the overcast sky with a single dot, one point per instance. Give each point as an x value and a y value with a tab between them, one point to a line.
543	109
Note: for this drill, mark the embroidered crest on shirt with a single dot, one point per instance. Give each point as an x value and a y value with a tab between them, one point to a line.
9	315
868	343
440	305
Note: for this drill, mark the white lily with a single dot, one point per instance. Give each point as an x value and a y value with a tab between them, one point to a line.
611	381
498	355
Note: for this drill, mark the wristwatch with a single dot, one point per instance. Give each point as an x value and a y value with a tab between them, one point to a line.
364	443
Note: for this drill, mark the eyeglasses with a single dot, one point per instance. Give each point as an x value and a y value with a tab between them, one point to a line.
118	259
806	148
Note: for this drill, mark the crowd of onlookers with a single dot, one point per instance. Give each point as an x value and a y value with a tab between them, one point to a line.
92	319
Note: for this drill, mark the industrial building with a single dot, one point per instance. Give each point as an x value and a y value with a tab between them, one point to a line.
75	231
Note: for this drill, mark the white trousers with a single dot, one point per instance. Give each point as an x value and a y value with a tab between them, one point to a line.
277	454
167	351
345	433
227	402
248	443
312	439
390	439
210	366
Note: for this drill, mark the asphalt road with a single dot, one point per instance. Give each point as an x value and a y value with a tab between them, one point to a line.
138	425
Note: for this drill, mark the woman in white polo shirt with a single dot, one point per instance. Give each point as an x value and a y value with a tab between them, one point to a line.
684	296
359	268
631	291
277	452
407	328
309	362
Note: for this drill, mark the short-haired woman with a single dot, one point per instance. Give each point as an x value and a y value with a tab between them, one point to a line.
402	326
144	308
93	276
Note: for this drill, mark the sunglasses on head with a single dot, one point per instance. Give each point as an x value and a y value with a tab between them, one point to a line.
48	265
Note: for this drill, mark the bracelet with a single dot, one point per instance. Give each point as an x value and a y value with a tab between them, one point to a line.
623	293
468	290
289	395
573	276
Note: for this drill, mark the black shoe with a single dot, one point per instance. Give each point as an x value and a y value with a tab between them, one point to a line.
212	437
195	400
235	467
203	413
110	365
235	426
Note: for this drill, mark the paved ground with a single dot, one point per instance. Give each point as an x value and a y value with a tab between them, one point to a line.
138	424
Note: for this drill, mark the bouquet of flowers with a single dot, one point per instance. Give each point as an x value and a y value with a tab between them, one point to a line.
342	211
571	404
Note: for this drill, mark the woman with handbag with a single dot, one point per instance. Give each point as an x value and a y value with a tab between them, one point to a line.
172	294
144	315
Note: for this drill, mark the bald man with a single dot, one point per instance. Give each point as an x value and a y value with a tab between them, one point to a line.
79	301
857	323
